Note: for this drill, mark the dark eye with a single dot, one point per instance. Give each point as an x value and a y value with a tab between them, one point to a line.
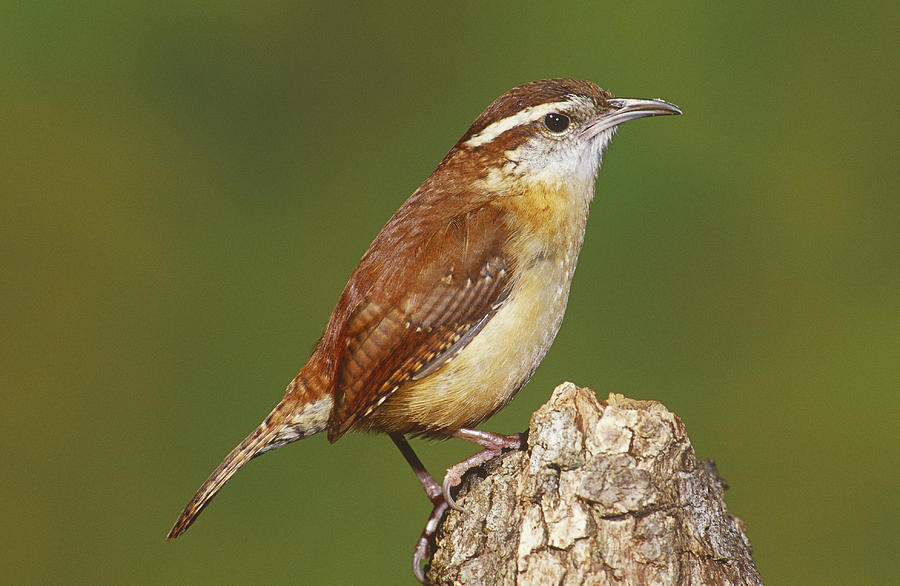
556	122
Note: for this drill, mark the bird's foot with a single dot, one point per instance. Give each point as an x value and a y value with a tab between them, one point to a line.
494	444
440	497
423	547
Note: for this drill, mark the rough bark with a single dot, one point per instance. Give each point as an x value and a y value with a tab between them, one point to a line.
608	492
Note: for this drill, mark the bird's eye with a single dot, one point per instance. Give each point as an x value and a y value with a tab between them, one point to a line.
556	122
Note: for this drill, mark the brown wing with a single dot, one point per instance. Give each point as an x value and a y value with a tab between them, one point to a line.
436	293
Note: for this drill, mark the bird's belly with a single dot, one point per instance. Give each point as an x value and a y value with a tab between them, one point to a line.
491	369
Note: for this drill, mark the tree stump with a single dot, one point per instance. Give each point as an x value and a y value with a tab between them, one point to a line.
608	492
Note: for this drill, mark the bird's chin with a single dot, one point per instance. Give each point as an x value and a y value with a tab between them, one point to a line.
592	157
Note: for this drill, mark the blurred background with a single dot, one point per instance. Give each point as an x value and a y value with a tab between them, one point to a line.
185	188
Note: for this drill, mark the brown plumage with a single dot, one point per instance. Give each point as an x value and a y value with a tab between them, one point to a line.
408	321
460	295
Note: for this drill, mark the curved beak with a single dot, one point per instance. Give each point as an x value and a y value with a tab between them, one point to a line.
625	109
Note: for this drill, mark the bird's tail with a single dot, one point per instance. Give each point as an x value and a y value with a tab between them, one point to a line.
287	423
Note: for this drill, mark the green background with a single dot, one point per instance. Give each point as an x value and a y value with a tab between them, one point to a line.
186	187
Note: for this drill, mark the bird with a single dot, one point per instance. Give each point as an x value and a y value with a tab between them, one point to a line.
460	295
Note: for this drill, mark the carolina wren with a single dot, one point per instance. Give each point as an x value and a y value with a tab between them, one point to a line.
458	298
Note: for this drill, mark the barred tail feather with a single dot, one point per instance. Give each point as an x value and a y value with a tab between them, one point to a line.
285	424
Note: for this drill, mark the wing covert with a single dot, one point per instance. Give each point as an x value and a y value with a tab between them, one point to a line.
421	314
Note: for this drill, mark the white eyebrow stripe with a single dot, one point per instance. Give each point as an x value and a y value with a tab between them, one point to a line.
529	114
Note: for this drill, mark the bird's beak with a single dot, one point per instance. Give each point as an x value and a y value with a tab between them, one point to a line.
625	109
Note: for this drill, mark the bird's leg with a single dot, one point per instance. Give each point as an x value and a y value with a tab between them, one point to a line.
493	443
433	490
